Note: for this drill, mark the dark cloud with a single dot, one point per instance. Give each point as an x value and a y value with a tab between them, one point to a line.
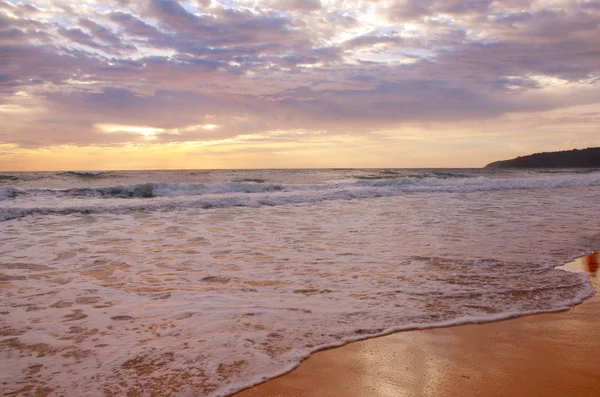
515	83
133	25
175	16
103	33
224	27
298	5
513	18
163	109
11	33
416	9
79	36
591	5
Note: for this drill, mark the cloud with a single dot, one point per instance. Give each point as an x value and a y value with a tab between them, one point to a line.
95	71
177	17
298	5
134	129
103	33
132	24
368	41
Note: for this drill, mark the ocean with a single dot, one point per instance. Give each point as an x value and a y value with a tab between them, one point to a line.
201	283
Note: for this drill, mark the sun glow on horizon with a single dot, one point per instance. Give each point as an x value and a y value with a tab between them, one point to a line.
136	129
151	132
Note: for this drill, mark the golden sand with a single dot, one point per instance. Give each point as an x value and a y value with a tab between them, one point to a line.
555	354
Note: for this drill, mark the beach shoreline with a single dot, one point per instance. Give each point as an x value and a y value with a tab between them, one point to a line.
547	354
184	300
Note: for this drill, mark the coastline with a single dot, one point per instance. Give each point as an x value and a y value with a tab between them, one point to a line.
112	301
549	354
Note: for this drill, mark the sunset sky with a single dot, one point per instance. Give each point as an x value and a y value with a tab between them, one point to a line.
157	84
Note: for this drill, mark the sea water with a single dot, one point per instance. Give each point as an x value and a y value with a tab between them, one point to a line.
206	282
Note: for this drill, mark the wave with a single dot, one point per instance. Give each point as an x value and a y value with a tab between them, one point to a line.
9	193
150	190
569	171
8	178
145	190
251	180
397	174
84	174
361	188
160	196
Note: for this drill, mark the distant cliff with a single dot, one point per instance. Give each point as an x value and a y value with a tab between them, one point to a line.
585	158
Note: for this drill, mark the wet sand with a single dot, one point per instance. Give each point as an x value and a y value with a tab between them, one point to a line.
556	354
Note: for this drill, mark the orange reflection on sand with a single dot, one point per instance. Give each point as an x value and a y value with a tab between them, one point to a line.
591	263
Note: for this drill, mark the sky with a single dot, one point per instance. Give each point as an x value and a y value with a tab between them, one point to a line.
205	84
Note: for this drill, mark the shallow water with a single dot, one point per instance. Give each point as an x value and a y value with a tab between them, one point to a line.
119	292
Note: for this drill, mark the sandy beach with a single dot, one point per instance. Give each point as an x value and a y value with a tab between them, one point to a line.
555	354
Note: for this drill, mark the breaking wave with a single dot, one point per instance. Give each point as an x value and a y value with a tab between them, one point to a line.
156	196
7	178
84	174
396	174
150	190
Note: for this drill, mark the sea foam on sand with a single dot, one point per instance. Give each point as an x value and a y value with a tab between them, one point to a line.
205	302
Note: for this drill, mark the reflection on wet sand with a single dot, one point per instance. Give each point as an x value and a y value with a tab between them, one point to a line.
587	264
591	262
543	355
